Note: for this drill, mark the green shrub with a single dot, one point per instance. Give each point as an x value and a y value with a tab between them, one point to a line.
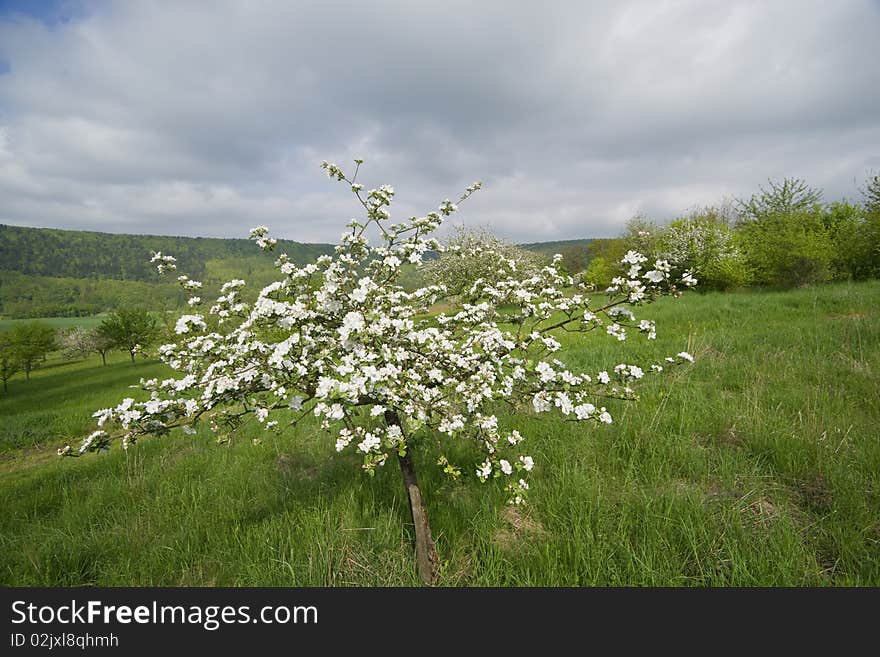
788	249
599	272
725	274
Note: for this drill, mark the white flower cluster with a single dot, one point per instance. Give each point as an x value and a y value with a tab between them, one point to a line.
190	286
260	236
165	262
639	285
342	340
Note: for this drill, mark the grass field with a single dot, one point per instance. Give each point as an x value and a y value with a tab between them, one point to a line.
758	465
55	322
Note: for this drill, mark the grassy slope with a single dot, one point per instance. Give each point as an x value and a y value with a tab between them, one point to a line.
55	322
759	465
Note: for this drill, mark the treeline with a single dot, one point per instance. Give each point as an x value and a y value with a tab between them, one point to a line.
27	345
81	254
782	236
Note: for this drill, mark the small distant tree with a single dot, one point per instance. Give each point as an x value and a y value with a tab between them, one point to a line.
871	192
80	341
101	343
783	235
471	255
129	329
9	360
791	196
31	343
641	234
77	342
342	341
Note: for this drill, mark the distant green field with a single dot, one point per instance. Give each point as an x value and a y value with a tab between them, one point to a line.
54	322
758	465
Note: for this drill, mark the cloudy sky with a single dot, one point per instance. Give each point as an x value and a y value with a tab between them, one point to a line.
206	118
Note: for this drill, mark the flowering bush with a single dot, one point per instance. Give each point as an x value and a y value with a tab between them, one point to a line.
705	243
341	340
472	255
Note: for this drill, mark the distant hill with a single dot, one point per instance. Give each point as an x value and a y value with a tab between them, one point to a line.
48	272
84	254
560	246
576	253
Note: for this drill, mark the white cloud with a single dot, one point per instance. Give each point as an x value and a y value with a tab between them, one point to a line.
173	118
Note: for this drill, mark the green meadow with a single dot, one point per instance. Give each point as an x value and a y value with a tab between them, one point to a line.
55	322
758	465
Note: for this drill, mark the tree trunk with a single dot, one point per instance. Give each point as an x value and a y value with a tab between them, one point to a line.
426	552
104	358
131	353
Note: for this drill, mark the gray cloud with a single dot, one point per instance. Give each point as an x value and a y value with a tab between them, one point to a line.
187	118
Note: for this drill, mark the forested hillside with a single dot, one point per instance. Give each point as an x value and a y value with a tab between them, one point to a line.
23	295
82	254
575	252
46	272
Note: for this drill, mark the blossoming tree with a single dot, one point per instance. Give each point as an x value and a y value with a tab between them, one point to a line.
471	254
341	340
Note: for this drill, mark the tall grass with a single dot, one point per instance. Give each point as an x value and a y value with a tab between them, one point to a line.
758	465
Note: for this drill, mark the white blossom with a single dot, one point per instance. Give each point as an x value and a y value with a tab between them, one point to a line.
545	371
341	340
633	258
584	411
484	470
188	321
369	443
541	402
